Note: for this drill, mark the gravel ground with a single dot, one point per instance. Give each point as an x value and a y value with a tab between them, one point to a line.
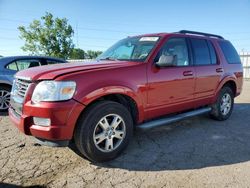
197	152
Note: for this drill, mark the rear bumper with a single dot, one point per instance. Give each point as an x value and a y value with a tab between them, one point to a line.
63	116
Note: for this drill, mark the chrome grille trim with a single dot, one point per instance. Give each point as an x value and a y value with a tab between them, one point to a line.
21	86
18	93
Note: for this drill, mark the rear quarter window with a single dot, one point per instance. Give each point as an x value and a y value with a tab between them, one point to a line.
229	52
12	66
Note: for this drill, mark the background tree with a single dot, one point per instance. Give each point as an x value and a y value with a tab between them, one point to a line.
92	54
50	36
77	53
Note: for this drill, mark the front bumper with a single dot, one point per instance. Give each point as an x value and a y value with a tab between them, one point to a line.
63	116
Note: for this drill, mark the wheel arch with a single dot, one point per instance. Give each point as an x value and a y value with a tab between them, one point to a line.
228	81
5	85
232	85
122	95
125	100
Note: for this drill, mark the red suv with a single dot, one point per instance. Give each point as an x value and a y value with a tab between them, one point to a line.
143	81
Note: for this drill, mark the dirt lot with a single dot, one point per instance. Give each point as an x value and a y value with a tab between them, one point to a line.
198	152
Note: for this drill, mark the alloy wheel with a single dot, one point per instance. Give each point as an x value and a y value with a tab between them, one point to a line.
109	133
4	99
226	103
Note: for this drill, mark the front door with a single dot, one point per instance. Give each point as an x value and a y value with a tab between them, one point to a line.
171	89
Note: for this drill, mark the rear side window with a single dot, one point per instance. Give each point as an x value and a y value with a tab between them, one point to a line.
201	52
12	66
27	63
229	52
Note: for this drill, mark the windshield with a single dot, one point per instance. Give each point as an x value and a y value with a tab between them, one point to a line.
130	49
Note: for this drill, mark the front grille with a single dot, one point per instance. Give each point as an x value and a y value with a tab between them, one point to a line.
21	86
19	90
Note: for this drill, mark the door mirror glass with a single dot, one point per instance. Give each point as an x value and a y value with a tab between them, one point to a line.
166	61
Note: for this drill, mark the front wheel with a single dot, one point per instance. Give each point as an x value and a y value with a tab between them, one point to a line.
103	131
223	107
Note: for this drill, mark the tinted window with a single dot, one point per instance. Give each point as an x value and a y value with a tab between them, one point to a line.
229	52
201	52
12	66
27	63
176	47
212	53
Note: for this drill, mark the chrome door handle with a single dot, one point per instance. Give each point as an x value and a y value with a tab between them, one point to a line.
219	70
188	73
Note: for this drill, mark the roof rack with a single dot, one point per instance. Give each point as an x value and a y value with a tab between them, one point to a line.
200	33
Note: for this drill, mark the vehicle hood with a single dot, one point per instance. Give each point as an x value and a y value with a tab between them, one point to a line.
50	72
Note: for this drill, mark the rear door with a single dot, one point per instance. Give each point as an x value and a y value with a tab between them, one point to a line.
207	67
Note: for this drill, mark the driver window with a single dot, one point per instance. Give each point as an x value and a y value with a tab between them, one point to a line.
175	48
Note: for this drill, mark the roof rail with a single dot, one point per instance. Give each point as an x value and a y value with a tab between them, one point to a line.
200	33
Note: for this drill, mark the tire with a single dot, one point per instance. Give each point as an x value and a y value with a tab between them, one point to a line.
223	107
4	98
97	137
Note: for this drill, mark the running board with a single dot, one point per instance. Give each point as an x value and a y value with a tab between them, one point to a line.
168	120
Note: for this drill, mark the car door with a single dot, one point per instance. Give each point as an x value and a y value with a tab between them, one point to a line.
171	89
207	67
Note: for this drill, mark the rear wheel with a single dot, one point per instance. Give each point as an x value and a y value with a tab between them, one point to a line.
103	131
4	98
223	107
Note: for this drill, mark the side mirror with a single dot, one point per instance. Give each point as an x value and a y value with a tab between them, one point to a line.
166	61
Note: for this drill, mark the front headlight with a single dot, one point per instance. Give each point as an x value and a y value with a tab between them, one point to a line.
53	91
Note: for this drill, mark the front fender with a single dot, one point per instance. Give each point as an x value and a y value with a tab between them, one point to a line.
104	91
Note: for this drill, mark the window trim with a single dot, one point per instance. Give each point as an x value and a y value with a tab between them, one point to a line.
190	60
216	55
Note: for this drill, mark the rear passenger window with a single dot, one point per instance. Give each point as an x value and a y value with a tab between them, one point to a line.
212	53
229	52
27	63
201	52
12	66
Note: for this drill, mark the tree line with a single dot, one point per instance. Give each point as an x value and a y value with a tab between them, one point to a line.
52	36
